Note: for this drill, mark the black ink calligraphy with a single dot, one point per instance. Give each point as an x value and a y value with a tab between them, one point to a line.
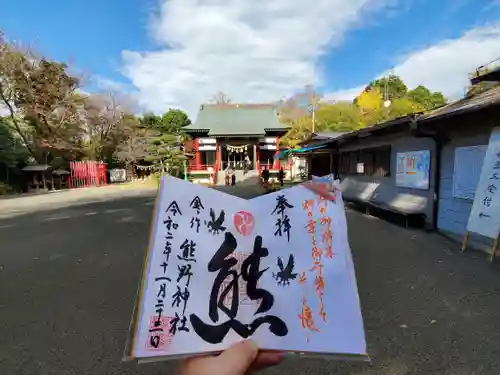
196	204
173	208
178	324
487	201
169	223
180	296
215	226
188	247
184	272
281	205
285	274
283	225
195	222
223	262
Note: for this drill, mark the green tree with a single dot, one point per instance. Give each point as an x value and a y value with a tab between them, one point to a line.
165	153
339	117
394	85
164	145
425	98
300	129
150	120
174	121
402	107
12	151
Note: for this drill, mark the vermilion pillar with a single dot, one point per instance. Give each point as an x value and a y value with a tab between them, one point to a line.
197	156
277	160
217	157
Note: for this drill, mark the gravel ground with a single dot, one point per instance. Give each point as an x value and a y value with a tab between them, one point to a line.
68	278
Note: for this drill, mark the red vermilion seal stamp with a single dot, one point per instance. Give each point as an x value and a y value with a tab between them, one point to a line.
159	333
244	222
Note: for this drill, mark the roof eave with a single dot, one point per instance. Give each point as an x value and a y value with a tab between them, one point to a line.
379	128
239	135
492	76
284	129
196	130
458	112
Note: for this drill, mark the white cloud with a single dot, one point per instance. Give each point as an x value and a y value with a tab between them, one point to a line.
344	95
258	50
106	84
446	66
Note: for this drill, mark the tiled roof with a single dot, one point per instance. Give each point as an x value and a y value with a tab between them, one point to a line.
484	99
237	119
320	137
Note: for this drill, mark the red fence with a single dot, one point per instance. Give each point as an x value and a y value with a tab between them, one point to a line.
87	173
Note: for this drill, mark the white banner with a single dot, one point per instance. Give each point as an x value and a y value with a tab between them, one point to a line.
484	218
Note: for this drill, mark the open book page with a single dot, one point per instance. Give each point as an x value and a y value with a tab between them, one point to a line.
221	269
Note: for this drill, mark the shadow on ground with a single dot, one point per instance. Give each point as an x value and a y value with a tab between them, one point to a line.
246	189
68	279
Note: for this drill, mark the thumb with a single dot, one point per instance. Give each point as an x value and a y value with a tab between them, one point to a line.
238	358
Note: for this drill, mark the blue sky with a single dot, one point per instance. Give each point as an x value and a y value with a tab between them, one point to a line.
178	53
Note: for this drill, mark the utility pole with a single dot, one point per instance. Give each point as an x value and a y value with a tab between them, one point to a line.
313	110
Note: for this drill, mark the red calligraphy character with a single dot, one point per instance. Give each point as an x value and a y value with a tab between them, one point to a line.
307	319
311	226
308	204
302	278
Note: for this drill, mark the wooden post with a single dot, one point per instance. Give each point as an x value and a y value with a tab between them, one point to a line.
466	240
494	250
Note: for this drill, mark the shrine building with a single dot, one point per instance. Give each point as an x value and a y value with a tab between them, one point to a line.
235	135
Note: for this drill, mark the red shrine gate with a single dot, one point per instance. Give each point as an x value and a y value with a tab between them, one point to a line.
87	173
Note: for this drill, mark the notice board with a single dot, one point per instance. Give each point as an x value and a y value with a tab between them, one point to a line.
413	169
467	170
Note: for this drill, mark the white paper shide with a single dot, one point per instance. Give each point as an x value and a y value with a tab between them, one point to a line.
220	269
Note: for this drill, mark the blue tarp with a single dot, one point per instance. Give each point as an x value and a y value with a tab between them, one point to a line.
284	153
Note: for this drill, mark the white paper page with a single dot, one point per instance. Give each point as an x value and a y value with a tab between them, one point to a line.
341	328
343	332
